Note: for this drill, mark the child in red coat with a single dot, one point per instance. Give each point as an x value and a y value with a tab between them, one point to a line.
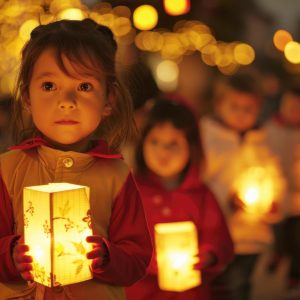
168	159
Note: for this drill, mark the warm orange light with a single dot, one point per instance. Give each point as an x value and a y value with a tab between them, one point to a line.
176	249
244	54
56	224
26	28
281	38
256	188
292	52
176	7
71	14
145	17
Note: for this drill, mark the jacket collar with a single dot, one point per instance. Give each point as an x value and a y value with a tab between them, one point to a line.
192	179
100	148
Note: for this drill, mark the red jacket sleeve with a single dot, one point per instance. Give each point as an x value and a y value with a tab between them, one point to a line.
129	242
215	235
8	271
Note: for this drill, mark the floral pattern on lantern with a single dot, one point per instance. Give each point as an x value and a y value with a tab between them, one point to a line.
57	220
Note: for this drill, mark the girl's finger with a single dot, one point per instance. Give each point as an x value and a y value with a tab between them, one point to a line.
21	248
94	239
21	258
27	276
95	253
97	263
24	267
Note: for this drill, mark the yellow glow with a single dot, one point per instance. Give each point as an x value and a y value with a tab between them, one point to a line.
153	41
230	69
122	11
121	26
244	54
13	10
176	7
178	260
71	14
38	254
57	6
106	20
281	38
292	52
203	40
177	248
172	48
251	195
56	224
167	71
256	188
145	17
208	54
27	27
46	18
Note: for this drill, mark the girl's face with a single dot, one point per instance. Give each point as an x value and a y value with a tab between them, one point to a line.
67	109
166	150
238	110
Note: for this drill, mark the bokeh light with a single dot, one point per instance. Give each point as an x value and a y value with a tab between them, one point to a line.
71	14
166	74
145	17
292	52
244	54
176	7
281	38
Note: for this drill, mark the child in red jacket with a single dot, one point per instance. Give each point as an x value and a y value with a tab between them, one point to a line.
168	158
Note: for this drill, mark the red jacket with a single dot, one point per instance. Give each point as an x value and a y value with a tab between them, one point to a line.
116	209
191	201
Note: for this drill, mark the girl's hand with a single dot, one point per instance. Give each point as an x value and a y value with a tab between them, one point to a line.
22	261
99	254
236	203
206	260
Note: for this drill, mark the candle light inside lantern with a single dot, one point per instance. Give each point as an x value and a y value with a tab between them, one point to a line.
177	248
56	224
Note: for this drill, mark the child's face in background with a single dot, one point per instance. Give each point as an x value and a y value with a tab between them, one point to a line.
166	150
290	109
238	110
67	109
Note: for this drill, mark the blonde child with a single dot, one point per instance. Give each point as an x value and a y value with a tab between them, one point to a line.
80	115
234	147
168	157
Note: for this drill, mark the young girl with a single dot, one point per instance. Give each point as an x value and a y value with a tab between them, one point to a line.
168	157
68	84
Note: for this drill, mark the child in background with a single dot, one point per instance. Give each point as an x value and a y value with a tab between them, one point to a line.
168	158
232	146
81	114
283	132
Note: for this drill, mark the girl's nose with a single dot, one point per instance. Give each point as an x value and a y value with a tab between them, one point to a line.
66	105
67	101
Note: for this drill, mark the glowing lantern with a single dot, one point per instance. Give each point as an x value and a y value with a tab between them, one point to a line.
177	248
56	224
256	189
176	7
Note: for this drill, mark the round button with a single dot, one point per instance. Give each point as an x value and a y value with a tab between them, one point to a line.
166	211
68	162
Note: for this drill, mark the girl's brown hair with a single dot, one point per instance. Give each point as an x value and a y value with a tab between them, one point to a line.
92	48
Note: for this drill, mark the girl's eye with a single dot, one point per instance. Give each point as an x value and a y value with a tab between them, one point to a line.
48	86
85	87
154	142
